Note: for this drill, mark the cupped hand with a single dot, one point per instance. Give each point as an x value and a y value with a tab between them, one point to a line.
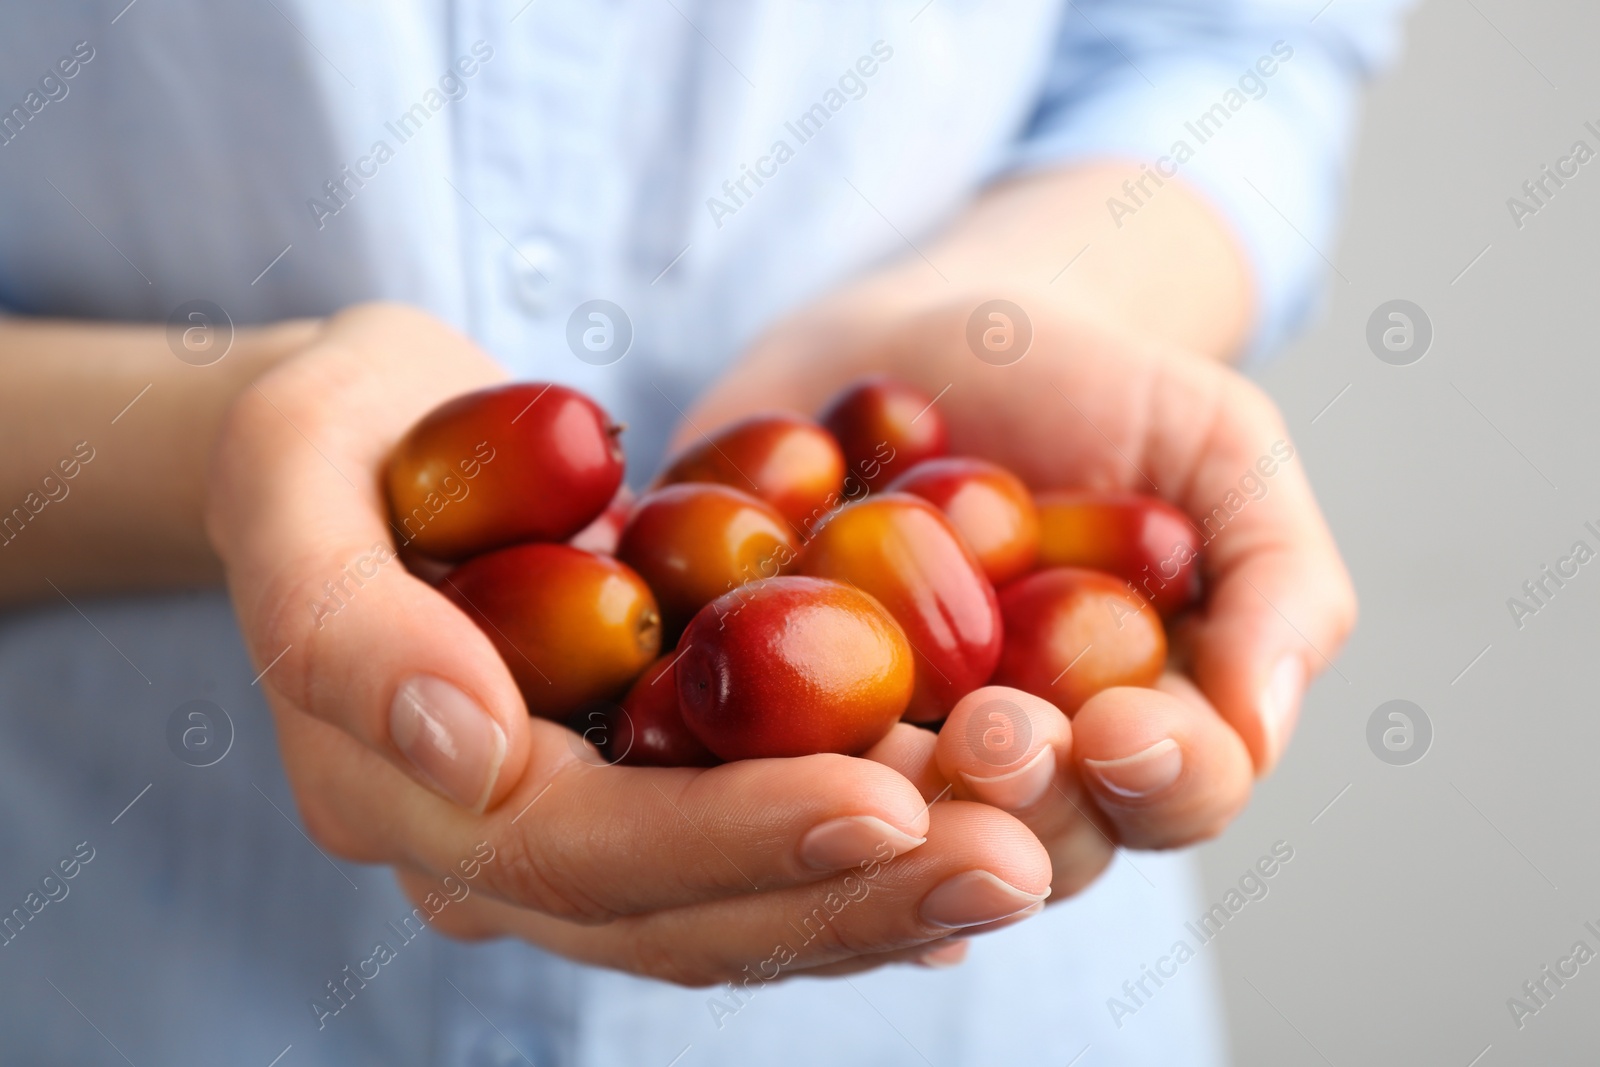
406	742
1089	407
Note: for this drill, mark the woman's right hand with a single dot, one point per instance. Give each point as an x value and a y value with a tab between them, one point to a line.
406	742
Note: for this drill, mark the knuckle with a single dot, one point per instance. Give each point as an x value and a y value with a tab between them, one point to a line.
650	958
827	938
458	923
229	478
458	927
330	833
454	921
1346	609
528	877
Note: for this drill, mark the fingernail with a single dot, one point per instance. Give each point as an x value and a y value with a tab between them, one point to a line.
1280	702
449	738
840	844
973	898
1018	789
946	954
1142	774
1010	920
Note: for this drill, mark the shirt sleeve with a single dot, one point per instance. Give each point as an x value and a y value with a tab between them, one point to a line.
1249	101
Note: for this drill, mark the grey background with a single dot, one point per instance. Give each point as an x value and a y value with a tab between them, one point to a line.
1427	894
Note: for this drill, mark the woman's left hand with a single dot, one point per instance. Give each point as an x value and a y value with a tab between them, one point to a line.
1087	406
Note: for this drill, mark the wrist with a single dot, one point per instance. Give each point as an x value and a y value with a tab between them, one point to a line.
1044	242
258	349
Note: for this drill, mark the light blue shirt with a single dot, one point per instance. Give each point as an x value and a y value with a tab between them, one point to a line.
702	166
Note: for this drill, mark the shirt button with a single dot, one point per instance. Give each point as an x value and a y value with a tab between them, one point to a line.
536	267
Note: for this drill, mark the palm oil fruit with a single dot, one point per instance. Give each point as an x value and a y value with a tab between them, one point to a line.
785	459
792	667
814	581
605	531
523	462
1142	539
647	729
903	551
1072	632
574	627
693	542
885	427
989	507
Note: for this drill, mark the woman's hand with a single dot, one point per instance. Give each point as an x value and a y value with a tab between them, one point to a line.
406	742
1088	406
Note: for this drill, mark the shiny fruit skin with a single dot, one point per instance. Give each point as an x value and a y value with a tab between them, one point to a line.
605	531
904	552
1053	615
574	627
786	460
522	462
885	427
1141	538
647	729
792	667
693	542
989	507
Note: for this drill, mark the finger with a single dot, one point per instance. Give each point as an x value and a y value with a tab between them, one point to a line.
935	955
333	620
591	842
1161	765
1007	748
478	923
1279	601
910	750
1013	751
980	866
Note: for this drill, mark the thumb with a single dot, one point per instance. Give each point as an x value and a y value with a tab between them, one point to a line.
337	626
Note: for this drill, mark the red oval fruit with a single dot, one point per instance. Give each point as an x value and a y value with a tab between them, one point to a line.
786	460
1071	632
523	462
647	729
572	626
902	551
885	427
791	667
693	542
989	507
1140	538
605	531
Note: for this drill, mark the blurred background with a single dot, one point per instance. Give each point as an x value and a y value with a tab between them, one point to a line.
1423	894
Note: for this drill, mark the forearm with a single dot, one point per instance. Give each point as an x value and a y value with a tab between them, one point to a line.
1175	274
104	439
